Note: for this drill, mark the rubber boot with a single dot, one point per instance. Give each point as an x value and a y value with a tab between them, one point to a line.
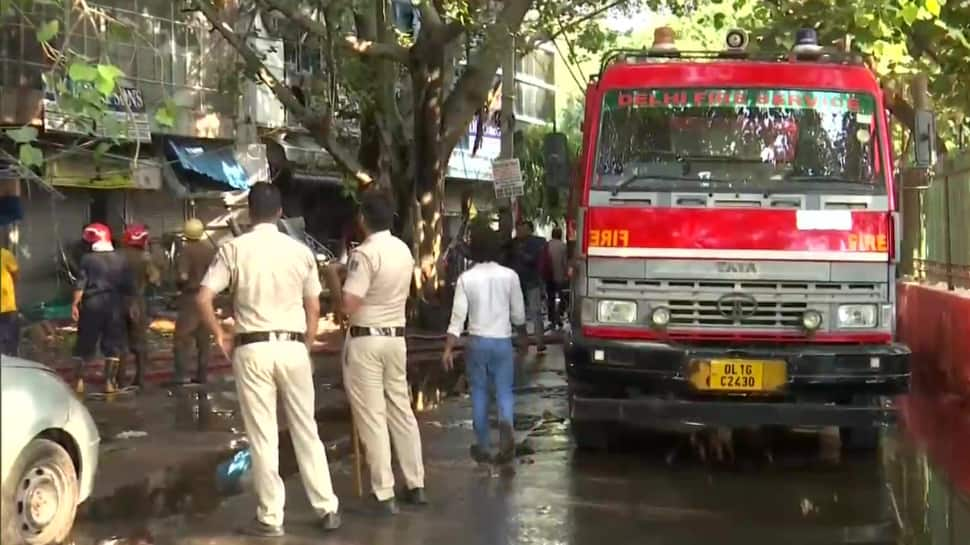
178	357
141	359
202	371
110	375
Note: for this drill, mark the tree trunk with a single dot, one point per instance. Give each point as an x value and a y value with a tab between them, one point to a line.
429	181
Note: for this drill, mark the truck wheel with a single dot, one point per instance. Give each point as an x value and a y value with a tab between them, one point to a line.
590	436
859	439
39	497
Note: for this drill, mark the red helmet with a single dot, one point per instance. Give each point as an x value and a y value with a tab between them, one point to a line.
97	232
136	235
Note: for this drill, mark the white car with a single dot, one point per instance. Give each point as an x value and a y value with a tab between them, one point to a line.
49	454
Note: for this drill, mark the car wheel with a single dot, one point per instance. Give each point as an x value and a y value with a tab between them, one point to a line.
40	495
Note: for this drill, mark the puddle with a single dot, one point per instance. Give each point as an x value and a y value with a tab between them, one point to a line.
191	488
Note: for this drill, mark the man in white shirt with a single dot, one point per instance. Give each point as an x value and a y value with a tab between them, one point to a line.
490	297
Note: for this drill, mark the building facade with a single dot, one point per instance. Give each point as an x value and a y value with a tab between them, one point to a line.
220	133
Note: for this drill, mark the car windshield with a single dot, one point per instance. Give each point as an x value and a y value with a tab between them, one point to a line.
745	137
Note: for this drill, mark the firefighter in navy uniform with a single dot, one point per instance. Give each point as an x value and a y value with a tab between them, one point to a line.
102	296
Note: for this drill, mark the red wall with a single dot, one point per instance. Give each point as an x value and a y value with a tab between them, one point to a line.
936	326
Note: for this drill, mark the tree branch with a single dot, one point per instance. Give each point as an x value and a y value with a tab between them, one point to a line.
473	86
543	37
429	14
320	125
386	51
365	48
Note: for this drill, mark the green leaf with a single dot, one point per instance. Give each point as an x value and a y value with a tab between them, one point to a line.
100	150
31	156
933	6
109	72
165	117
910	13
105	86
23	135
107	80
82	71
48	30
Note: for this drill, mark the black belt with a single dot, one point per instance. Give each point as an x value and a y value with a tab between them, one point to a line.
357	331
267	336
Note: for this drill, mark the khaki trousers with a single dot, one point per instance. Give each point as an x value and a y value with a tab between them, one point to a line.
263	371
375	378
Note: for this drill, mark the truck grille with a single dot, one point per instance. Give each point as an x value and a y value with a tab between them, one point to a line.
780	304
768	315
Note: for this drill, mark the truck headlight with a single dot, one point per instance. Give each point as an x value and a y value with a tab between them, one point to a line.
857	316
811	320
617	312
660	317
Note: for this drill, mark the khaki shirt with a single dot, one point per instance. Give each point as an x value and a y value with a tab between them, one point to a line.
379	272
270	274
193	261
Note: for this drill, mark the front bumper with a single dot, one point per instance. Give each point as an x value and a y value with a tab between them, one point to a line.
650	383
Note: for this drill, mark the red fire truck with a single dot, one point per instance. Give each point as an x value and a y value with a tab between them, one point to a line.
736	229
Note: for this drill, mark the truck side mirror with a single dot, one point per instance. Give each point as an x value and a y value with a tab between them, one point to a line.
555	159
924	138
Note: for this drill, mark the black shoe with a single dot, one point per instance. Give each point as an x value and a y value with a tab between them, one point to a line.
256	528
506	440
385	508
480	455
330	521
415	496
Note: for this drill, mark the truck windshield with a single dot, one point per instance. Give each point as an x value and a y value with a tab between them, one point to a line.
762	138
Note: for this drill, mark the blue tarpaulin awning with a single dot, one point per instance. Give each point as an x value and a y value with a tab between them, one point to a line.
216	163
11	210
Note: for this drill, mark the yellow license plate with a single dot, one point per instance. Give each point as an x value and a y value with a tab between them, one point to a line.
737	375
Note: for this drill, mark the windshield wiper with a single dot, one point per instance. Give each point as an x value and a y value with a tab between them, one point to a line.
636	176
827	178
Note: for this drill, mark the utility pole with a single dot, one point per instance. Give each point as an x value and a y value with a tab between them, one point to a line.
508	129
911	196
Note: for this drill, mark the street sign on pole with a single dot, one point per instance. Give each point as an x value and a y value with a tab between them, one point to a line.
507	178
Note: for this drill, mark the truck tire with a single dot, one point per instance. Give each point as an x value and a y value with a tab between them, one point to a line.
39	497
590	436
859	439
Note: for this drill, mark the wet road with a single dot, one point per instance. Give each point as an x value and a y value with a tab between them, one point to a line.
792	488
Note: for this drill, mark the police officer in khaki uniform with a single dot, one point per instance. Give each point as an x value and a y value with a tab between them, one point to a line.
374	297
276	289
193	261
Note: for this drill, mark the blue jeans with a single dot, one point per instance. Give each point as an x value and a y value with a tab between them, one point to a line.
490	363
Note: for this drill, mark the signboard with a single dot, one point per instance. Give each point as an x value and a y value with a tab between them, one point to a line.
747	98
109	174
507	178
126	107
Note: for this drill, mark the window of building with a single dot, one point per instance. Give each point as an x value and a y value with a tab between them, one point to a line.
539	64
535	102
158	47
